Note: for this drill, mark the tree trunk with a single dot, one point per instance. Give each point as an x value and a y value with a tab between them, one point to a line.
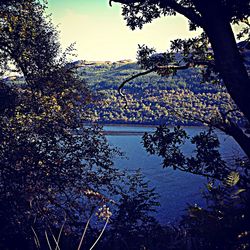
240	137
227	57
228	61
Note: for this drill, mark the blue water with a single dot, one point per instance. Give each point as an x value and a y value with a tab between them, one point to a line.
175	188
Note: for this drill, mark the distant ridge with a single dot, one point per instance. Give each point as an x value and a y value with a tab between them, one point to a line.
82	63
244	47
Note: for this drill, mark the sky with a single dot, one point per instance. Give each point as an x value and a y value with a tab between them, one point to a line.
100	33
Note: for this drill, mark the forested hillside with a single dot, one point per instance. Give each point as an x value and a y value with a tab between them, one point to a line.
183	99
152	99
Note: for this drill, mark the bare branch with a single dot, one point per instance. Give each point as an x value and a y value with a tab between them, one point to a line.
137	75
159	69
155	69
196	119
200	174
229	127
130	79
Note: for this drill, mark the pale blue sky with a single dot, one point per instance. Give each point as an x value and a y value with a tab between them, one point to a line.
101	33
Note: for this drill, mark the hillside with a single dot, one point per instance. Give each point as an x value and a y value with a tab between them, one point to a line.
151	99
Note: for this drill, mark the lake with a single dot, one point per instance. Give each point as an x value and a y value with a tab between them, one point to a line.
175	188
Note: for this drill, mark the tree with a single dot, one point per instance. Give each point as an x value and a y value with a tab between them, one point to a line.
56	172
225	59
28	42
215	53
49	159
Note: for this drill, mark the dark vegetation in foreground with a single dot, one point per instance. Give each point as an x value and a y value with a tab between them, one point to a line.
59	188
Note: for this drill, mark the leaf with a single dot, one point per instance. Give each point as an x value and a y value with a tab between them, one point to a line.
232	179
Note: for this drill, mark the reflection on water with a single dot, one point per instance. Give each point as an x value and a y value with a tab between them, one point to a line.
176	188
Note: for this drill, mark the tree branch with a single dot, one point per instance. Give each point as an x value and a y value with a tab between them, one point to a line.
187	12
159	68
200	173
155	69
123	1
130	79
229	128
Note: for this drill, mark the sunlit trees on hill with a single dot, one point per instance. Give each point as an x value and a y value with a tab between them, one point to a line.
153	100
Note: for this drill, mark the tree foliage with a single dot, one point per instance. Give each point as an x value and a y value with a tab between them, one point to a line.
56	166
224	222
215	50
206	161
24	38
221	61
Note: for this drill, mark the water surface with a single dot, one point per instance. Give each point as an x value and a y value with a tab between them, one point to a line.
176	188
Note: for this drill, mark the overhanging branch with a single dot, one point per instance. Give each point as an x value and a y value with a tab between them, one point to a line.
188	12
130	79
185	11
162	70
123	1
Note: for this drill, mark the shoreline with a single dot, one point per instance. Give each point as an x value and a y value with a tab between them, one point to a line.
124	133
139	129
146	125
